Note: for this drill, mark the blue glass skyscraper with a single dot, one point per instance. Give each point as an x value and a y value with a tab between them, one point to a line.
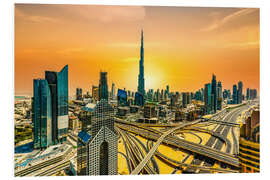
42	116
122	97
62	103
58	83
208	98
141	89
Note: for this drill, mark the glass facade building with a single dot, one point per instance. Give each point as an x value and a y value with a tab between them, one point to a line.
240	92
139	99
208	98
103	86
50	108
122	97
62	105
234	98
141	89
214	92
42	116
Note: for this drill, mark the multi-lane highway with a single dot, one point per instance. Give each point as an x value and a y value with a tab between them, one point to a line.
151	152
216	143
205	156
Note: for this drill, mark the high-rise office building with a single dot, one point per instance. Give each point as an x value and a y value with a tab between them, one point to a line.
248	94
79	95
214	92
253	93
97	143
103	86
240	92
95	93
50	108
113	90
188	98
139	99
167	90
208	98
42	116
58	83
173	100
141	89
219	96
198	95
234	98
103	146
184	99
122	97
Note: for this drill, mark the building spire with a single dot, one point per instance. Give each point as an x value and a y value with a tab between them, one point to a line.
142	38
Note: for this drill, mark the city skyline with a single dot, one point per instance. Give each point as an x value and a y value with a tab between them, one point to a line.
229	47
130	90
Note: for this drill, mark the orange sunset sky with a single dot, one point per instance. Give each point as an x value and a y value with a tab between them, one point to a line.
183	45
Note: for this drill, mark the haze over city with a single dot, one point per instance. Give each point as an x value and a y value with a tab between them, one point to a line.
183	46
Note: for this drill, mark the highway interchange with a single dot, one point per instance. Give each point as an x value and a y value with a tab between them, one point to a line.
218	149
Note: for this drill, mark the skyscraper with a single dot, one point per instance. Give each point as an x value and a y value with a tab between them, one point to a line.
214	93
208	98
113	90
240	92
219	95
42	115
167	90
122	97
103	86
248	94
95	93
58	83
79	94
184	99
141	89
103	147
139	99
234	98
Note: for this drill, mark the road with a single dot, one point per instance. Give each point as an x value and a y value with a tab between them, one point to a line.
151	152
215	143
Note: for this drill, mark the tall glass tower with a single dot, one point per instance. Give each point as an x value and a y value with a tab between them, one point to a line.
208	98
42	116
62	103
214	93
141	89
240	92
234	98
103	86
58	83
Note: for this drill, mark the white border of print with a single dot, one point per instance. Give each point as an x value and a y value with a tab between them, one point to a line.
7	79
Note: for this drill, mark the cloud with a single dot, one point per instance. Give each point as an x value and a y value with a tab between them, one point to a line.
33	18
220	22
108	13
